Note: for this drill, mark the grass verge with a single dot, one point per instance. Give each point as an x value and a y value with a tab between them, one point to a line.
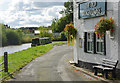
19	59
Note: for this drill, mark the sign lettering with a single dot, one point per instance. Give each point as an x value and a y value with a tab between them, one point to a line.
92	8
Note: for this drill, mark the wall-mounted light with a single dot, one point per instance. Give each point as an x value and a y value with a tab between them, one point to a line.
77	2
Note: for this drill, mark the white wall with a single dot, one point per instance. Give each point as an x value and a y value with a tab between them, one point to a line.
84	25
119	35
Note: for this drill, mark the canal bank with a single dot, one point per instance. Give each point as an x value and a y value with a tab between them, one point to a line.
18	60
14	48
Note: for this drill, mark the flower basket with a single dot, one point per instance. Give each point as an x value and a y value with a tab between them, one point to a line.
71	33
104	25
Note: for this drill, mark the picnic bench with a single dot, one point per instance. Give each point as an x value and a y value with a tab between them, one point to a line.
106	66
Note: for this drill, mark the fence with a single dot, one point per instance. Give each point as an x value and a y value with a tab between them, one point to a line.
5	62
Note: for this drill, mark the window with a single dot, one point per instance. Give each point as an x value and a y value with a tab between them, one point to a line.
99	44
93	43
89	42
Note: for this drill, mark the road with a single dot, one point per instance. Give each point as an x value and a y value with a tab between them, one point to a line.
52	66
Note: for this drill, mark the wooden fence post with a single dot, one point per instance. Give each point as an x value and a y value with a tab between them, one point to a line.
6	61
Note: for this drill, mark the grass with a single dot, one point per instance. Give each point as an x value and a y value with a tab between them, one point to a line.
19	59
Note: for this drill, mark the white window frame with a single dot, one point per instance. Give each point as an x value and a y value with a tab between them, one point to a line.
100	40
89	40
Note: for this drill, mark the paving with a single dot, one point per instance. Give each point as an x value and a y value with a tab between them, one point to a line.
53	66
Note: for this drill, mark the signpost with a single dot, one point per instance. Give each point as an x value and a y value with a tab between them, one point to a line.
92	8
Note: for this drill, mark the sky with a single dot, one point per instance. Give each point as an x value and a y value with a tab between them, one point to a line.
30	13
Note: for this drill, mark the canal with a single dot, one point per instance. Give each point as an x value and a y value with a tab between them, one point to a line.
15	48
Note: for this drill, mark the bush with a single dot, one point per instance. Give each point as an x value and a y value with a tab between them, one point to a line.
20	33
45	34
55	38
0	39
13	38
26	39
4	39
63	36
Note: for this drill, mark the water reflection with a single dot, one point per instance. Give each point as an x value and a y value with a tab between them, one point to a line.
12	49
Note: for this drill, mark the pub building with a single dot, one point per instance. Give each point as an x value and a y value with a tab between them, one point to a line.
89	48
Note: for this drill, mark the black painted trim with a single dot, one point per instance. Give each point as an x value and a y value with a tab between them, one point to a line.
85	41
79	11
104	45
106	7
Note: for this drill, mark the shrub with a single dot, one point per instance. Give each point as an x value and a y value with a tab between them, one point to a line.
45	34
0	39
4	39
62	36
26	39
55	38
13	37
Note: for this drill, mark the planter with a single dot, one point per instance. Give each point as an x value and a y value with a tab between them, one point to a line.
71	33
108	32
111	35
105	26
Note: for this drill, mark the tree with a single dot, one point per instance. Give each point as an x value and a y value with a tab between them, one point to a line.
59	25
42	28
68	9
53	24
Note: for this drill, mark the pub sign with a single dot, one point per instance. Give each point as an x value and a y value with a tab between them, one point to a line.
92	8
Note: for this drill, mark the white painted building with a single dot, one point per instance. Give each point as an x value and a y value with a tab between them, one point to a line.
36	32
92	52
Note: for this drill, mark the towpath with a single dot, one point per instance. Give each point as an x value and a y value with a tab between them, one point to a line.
52	66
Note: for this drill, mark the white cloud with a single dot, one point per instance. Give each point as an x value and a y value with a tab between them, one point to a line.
3	1
53	11
26	13
30	25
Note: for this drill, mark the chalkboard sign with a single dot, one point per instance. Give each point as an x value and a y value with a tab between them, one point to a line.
92	8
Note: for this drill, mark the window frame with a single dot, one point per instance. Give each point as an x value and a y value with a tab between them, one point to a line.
94	39
91	42
100	40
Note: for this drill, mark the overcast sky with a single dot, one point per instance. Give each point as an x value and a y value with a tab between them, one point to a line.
26	13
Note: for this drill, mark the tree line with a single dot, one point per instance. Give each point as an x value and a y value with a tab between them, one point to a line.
10	36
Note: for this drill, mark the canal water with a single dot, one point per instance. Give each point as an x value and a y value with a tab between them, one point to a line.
15	48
